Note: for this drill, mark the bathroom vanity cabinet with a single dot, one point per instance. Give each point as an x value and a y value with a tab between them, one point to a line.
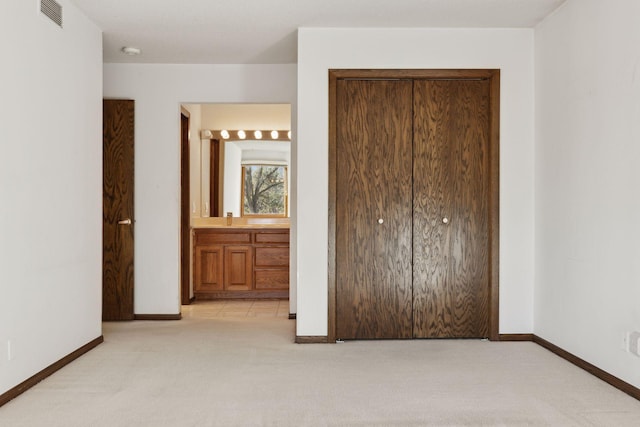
240	263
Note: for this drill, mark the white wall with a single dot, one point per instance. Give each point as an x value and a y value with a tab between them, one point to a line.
158	90
587	181
246	116
508	49
50	187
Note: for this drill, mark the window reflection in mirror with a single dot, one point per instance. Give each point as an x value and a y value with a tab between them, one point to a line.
264	190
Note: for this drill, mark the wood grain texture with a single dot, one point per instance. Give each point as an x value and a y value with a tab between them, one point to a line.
224	269
488	75
238	268
374	161
451	180
494	206
160	317
208	268
432	294
431	74
118	199
331	208
214	178
272	237
208	236
185	210
253	294
272	256
271	279
515	337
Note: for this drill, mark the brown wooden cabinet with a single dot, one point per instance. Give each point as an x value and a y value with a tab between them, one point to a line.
240	263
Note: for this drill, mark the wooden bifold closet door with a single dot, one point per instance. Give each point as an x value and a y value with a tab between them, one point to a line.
373	209
412	208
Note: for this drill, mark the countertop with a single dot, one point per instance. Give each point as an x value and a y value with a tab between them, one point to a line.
238	222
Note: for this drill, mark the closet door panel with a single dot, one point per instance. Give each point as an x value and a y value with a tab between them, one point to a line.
373	209
469	226
450	208
433	296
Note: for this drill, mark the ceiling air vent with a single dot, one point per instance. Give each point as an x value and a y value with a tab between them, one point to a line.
53	10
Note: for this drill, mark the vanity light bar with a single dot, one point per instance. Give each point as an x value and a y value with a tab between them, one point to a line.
240	134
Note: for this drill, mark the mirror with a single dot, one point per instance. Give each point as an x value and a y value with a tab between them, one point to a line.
241	157
226	157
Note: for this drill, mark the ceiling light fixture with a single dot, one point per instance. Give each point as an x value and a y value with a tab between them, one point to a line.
130	50
251	134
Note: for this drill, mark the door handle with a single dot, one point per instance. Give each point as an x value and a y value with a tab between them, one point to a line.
125	221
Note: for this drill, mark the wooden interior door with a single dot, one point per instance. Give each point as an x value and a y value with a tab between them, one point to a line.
118	215
373	209
451	211
185	212
214	178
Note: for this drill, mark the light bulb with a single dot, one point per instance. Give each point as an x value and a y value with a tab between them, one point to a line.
257	134
274	134
242	134
224	134
289	134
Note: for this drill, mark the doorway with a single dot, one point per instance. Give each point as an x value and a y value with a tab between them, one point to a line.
413	208
232	150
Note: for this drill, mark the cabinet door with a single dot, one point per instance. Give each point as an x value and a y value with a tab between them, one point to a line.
238	266
208	268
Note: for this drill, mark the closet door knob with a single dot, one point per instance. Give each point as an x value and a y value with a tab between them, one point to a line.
380	220
445	220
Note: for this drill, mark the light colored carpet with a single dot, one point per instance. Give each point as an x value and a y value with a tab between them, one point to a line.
214	370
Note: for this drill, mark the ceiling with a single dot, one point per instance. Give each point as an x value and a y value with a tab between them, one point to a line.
265	31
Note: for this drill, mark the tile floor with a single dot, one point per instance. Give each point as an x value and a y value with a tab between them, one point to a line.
237	308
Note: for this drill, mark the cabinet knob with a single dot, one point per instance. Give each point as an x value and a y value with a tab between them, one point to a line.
380	220
445	220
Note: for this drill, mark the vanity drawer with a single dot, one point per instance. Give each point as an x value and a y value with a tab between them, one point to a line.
272	237
272	256
272	279
202	237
